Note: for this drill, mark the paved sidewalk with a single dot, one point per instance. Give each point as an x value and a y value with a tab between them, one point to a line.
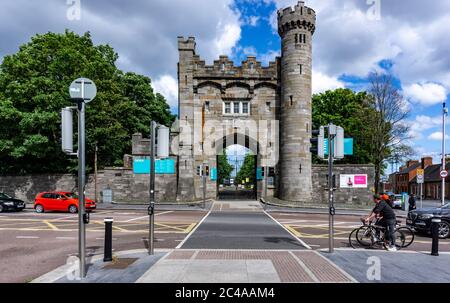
260	266
395	267
244	266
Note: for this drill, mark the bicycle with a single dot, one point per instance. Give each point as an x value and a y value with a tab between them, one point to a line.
372	235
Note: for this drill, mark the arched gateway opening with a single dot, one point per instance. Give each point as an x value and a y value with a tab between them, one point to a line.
237	167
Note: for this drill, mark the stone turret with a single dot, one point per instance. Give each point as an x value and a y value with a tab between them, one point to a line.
296	27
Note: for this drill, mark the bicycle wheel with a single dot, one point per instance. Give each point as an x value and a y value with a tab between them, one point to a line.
399	239
364	236
408	235
352	241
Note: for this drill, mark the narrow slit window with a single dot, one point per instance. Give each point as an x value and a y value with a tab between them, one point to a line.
296	38
236	107
268	106
245	108
227	108
300	69
207	106
290	100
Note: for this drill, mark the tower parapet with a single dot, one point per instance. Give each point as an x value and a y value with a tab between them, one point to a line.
300	16
186	44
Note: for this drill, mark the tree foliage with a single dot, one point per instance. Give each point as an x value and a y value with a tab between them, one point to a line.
224	168
34	88
345	108
388	132
247	170
374	119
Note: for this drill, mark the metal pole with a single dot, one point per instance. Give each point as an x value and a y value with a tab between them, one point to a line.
266	182
444	113
421	194
330	193
435	236
107	255
81	181
204	186
95	173
151	210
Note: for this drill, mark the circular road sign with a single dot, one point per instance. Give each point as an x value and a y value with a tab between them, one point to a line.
444	174
83	88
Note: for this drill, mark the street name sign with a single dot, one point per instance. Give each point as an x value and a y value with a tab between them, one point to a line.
420	176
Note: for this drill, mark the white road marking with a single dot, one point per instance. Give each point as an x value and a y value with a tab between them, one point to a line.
143	217
298	239
65	238
27	237
195	228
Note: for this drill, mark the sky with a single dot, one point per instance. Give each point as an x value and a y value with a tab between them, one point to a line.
408	38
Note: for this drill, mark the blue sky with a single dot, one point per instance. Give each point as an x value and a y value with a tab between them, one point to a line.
409	39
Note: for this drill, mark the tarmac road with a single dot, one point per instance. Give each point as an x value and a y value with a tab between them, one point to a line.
32	244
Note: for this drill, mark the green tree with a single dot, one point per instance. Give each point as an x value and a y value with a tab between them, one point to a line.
34	88
386	128
345	108
224	168
247	170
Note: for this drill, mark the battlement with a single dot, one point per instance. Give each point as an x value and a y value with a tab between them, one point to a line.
224	67
186	44
299	16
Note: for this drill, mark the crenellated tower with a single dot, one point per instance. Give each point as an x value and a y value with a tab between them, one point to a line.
296	27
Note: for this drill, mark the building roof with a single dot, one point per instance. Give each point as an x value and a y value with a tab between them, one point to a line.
432	173
410	168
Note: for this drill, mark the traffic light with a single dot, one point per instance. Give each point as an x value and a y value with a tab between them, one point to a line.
206	167
318	143
339	143
199	170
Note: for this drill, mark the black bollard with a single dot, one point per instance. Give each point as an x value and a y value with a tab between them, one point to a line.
108	240
435	234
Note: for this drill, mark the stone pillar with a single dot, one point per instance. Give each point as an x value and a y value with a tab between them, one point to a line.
186	48
296	27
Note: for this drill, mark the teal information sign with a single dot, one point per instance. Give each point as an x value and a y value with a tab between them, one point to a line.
259	175
163	166
213	174
348	146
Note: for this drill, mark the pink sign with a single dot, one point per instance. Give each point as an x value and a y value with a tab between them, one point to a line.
360	179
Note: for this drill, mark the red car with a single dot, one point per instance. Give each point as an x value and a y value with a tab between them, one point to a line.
60	201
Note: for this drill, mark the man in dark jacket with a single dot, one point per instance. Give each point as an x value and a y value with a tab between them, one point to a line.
412	202
384	210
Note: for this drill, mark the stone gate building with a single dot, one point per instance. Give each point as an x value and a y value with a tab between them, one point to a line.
265	108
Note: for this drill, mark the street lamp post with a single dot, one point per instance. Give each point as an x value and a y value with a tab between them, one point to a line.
444	114
151	208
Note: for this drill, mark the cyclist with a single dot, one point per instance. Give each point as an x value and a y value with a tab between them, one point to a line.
388	219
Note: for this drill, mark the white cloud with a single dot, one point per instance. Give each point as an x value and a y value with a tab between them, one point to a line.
253	20
167	86
415	38
426	93
322	82
437	136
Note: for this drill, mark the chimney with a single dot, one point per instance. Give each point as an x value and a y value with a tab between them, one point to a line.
411	162
426	161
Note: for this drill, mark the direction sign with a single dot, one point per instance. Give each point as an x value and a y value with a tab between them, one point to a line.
83	88
444	174
420	176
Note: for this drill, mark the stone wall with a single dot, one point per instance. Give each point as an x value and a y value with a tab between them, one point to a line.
342	196
134	188
126	186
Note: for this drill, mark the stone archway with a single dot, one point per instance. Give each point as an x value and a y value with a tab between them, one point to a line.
233	190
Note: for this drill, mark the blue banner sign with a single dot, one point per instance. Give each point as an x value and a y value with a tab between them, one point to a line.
163	166
213	174
259	175
348	146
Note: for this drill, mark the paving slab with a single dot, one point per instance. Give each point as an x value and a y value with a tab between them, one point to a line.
395	267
